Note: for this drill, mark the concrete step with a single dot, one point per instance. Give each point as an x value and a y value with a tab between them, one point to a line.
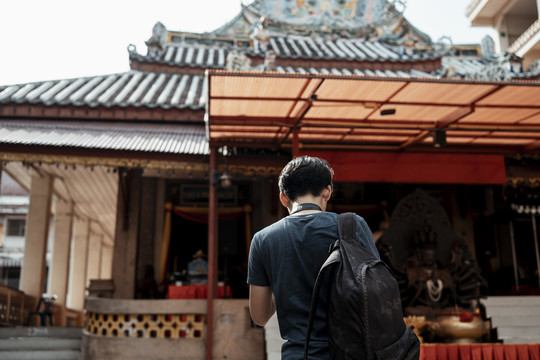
58	332
40	343
35	343
521	340
40	355
512	301
518	331
516	318
494	311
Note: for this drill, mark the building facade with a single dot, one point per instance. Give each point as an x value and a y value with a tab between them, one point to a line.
516	24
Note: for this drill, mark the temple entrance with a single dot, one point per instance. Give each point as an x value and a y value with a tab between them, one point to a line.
189	236
185	239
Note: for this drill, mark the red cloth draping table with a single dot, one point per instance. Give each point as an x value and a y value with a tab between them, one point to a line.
194	292
480	352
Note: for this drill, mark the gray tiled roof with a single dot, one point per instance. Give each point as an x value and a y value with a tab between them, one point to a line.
341	49
188	56
170	139
195	55
476	67
463	67
133	88
353	71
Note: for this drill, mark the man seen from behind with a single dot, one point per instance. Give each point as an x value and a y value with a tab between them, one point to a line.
285	257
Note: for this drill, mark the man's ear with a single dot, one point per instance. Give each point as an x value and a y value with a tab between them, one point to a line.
284	200
327	193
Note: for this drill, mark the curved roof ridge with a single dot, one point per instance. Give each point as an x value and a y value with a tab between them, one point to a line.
229	24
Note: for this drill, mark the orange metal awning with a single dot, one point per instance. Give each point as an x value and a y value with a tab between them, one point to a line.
357	113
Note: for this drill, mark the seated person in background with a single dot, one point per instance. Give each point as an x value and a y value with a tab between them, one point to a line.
197	269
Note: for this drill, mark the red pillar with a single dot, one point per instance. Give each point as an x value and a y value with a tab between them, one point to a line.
295	143
212	251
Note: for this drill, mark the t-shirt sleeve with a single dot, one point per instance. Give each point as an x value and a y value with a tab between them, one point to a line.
256	274
363	232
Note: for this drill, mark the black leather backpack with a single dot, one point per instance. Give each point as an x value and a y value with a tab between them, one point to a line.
364	315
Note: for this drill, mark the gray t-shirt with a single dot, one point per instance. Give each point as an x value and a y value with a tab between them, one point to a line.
287	256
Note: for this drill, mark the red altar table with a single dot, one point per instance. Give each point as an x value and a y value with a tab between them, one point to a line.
480	352
194	292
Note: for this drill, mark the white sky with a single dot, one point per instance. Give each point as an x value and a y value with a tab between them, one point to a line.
60	39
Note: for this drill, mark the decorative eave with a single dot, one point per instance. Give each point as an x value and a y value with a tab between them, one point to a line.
161	139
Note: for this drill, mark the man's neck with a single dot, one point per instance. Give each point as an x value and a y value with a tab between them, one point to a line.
308	199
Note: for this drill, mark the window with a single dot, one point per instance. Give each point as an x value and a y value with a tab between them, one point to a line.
16	227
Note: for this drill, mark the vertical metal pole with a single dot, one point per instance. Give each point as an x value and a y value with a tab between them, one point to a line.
514	257
535	236
295	143
212	252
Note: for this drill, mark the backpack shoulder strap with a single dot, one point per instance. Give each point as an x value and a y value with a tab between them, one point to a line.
347	231
347	226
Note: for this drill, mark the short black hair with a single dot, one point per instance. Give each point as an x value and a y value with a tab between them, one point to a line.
305	175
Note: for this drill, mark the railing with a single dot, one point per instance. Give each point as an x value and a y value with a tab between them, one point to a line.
15	306
145	319
472	6
525	37
133	329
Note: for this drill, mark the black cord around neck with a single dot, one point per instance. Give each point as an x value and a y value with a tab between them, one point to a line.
306	206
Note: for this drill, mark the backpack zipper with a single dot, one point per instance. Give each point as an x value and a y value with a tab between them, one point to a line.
369	351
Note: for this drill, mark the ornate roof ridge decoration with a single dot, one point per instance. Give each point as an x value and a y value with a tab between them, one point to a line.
421	36
369	19
329	16
238	19
159	36
504	67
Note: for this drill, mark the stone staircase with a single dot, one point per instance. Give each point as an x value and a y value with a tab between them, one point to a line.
43	343
273	339
516	318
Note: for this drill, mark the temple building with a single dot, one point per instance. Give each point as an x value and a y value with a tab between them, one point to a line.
135	178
